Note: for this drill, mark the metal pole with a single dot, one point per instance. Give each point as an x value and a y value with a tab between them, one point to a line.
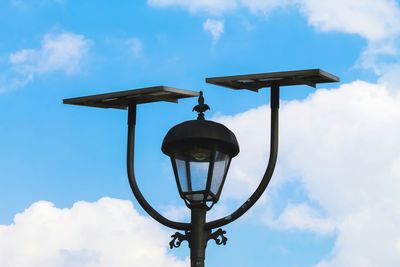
198	237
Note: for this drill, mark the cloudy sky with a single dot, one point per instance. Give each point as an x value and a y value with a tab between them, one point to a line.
64	196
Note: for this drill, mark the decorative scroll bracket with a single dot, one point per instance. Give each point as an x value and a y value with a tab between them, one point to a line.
218	236
178	238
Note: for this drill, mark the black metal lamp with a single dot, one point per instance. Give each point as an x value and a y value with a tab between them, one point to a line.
200	152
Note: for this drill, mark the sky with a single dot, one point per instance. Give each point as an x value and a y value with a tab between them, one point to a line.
64	196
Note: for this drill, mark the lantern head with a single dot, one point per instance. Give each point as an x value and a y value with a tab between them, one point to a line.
200	152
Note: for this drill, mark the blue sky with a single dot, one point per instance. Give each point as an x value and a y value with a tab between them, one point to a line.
333	199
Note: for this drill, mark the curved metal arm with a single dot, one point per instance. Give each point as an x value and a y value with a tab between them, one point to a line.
273	154
132	180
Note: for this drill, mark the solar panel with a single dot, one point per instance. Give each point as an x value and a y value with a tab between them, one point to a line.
122	99
254	82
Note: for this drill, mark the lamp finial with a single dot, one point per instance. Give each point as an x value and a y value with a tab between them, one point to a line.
201	107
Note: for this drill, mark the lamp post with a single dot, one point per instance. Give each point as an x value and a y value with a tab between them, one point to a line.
201	150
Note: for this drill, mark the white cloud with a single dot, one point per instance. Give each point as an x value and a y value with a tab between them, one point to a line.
64	52
368	237
391	78
135	46
376	21
265	6
380	57
208	6
371	19
301	217
398	246
105	233
215	28
177	213
58	52
343	146
354	128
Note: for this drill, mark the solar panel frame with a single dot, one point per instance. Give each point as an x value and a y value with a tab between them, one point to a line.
254	82
122	99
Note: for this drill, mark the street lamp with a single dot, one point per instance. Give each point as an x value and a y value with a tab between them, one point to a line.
201	150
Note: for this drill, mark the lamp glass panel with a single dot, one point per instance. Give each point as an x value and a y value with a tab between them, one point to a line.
182	177
198	175
192	164
220	168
